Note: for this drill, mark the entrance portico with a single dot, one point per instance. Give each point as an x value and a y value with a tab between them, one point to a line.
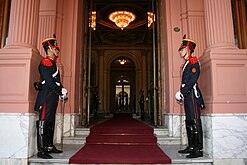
223	76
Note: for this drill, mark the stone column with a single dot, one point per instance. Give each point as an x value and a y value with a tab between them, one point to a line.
219	24
223	85
220	46
101	80
106	91
23	26
138	88
19	60
144	72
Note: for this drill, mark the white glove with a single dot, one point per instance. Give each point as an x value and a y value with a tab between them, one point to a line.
64	97
64	91
179	96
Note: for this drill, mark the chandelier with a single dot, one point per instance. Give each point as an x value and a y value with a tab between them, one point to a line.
92	23
122	62
122	18
151	18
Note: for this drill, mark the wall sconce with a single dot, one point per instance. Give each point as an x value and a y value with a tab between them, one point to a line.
92	22
151	18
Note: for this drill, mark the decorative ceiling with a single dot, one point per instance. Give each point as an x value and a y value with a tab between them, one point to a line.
107	33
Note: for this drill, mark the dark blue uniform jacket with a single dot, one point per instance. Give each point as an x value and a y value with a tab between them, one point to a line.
51	85
191	72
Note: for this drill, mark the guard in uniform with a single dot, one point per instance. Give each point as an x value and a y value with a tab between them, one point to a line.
96	102
49	91
141	102
193	101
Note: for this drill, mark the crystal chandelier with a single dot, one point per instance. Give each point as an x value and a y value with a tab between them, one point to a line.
92	23
122	18
151	18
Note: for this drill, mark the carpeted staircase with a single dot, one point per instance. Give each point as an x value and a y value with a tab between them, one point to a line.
121	140
104	144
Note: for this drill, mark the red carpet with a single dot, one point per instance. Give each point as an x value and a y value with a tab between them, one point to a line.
121	140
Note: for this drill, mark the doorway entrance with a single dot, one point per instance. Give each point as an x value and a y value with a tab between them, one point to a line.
123	82
122	99
125	58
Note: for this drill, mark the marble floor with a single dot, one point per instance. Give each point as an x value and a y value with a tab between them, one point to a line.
71	149
171	151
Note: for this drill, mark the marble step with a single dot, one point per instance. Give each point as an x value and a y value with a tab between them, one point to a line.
71	149
160	133
166	140
62	163
81	139
157	131
78	139
82	131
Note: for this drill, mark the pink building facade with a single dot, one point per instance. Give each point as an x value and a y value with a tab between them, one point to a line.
223	77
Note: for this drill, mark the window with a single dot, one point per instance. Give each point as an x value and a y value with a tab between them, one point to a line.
4	21
239	10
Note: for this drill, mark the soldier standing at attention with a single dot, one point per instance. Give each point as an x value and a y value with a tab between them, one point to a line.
141	102
96	102
50	89
193	101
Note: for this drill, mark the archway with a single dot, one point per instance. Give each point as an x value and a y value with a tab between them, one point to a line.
122	85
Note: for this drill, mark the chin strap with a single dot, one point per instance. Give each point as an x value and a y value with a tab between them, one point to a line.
188	53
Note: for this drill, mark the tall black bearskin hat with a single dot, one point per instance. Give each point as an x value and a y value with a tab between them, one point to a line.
50	43
188	42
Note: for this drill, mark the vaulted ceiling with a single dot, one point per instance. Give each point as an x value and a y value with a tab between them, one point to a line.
107	33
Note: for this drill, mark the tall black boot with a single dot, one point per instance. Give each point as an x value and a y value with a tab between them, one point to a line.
197	130
41	140
190	136
200	134
50	146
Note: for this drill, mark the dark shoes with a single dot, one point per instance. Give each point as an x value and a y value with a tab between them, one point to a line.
53	149
44	155
195	154
187	150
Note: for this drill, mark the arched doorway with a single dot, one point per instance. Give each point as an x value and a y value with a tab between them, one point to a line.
123	85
